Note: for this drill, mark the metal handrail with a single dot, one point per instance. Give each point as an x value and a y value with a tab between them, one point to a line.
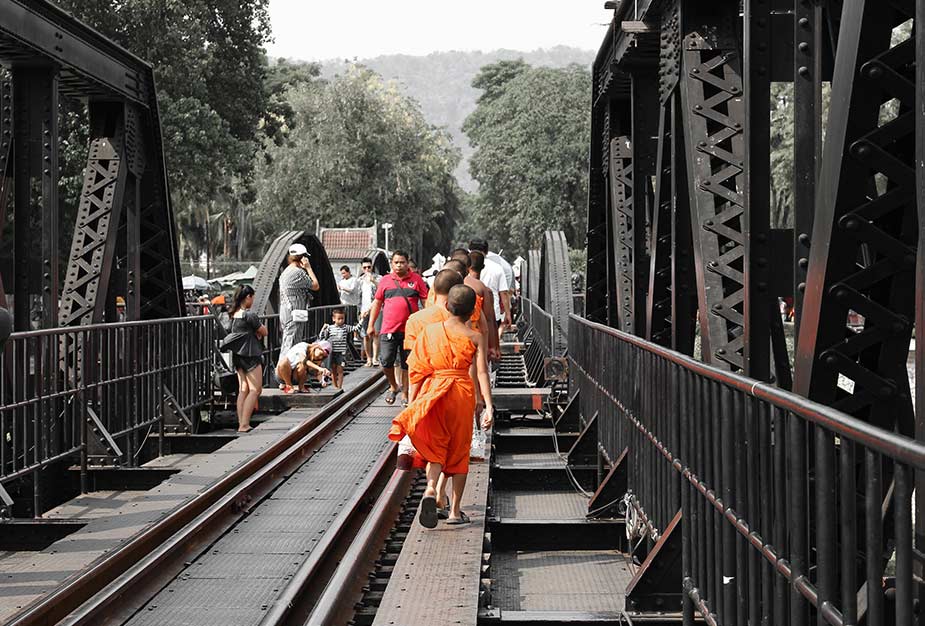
779	500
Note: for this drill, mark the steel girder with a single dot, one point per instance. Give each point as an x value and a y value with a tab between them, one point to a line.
6	159
863	248
556	287
622	227
99	213
533	274
35	174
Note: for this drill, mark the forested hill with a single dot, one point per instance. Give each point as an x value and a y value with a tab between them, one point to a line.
441	82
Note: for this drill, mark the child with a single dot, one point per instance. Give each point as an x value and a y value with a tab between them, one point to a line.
338	334
301	358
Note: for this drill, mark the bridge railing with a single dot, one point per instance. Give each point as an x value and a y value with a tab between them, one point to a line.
779	500
537	321
62	389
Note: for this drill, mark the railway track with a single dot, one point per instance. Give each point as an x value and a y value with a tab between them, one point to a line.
141	581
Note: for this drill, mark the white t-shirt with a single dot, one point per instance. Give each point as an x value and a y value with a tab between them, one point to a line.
368	284
508	270
493	277
297	354
349	293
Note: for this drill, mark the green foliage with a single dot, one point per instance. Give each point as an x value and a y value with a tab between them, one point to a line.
357	151
209	65
531	161
442	83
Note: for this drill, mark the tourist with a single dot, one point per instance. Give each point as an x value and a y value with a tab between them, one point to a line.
339	335
300	360
349	287
368	283
244	342
439	420
296	283
397	297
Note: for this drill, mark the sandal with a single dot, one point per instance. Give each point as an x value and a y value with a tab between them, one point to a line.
443	513
390	396
428	516
459	521
288	390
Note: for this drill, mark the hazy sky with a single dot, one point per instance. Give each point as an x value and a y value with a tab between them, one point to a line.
344	29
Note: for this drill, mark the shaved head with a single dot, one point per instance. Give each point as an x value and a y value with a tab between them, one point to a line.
461	301
461	254
457	266
446	279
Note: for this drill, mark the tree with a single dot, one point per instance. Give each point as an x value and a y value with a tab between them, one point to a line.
358	152
209	65
531	130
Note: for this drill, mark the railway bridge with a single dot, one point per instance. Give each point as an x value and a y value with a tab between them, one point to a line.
667	449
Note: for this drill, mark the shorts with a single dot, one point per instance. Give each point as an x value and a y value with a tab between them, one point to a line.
246	363
365	325
338	358
390	349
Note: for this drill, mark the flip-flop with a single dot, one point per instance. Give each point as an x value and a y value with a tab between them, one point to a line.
443	513
459	521
428	516
390	396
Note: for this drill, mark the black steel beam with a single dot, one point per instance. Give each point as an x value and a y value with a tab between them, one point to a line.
38	31
35	119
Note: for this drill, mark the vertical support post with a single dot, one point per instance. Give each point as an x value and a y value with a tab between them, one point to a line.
645	125
6	159
683	281
86	289
919	504
757	217
807	138
35	115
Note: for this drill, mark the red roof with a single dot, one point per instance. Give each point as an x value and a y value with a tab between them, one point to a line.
348	243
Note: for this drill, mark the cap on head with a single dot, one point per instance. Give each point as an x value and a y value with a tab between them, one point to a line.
120	301
324	345
447	279
298	249
461	301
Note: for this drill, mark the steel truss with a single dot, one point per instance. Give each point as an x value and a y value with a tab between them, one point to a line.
686	86
124	239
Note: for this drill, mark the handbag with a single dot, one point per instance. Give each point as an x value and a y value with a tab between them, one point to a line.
299	315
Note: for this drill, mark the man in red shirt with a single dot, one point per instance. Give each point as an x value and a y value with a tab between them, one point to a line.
397	297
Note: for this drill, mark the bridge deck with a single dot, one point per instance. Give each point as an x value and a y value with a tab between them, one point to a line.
114	516
436	579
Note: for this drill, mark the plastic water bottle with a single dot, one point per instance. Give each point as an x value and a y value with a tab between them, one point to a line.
477	451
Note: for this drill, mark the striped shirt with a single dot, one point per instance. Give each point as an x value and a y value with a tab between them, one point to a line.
294	288
338	336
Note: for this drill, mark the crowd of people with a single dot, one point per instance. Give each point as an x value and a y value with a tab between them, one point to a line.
434	340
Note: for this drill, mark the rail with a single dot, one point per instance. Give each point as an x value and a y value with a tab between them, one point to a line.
781	500
538	321
94	394
58	386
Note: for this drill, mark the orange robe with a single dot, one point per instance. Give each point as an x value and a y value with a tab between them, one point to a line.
432	300
439	420
421	319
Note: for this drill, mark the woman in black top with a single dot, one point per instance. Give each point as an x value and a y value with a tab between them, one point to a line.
247	353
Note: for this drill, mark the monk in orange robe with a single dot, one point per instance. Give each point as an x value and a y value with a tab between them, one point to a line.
439	419
487	311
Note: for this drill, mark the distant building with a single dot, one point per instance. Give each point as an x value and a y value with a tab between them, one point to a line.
348	246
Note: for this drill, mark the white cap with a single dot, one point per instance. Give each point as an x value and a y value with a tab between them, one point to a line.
298	249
